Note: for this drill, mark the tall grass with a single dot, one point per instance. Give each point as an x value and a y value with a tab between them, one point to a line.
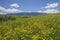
43	27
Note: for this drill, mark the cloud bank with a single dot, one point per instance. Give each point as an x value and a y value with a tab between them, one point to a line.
50	11
53	5
10	10
50	8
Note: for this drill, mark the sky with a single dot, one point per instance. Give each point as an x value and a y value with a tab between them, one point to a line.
16	6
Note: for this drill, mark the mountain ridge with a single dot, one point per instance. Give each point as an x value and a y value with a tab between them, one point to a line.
26	13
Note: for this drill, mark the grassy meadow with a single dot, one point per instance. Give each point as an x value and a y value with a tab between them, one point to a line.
41	27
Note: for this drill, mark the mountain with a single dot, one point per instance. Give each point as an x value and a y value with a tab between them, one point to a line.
26	14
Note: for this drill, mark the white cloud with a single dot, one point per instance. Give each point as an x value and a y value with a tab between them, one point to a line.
2	8
9	10
15	5
53	5
2	13
13	10
50	8
49	11
40	11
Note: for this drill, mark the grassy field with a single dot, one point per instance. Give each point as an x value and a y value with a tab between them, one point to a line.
41	27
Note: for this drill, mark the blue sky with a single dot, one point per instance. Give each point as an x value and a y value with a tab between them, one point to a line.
30	5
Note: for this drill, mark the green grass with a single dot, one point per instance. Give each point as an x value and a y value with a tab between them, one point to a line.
43	27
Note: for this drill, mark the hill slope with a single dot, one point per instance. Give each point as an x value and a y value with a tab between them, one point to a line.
43	27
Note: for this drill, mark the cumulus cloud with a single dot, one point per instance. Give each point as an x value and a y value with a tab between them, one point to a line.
2	13
2	8
53	5
13	10
49	11
9	10
50	8
15	5
40	11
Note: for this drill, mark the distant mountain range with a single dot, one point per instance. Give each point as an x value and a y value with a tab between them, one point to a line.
26	14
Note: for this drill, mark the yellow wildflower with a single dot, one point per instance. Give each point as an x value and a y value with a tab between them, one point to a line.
35	37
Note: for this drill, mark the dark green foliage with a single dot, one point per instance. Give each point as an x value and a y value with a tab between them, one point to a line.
6	18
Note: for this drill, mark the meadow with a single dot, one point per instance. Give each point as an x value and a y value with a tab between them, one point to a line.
41	27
